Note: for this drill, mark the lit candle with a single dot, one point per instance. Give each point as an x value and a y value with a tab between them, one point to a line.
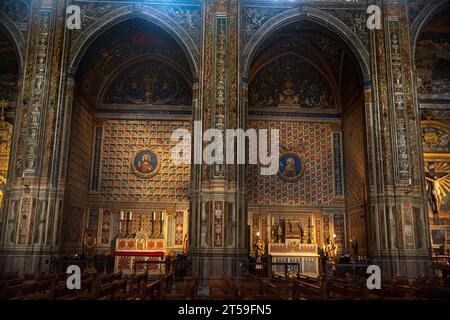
162	216
131	215
154	215
121	215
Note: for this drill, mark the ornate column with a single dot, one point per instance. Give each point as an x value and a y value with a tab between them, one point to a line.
31	226
398	227
218	208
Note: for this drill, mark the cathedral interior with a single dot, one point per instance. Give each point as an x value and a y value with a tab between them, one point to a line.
87	121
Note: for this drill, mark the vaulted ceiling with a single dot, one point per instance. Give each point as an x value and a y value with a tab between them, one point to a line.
317	61
113	61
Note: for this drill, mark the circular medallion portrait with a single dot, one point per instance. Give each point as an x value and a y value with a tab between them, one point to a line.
291	166
145	163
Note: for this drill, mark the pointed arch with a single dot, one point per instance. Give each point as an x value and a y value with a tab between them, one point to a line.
125	13
314	15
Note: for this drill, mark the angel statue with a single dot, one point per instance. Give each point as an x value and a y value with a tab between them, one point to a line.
438	186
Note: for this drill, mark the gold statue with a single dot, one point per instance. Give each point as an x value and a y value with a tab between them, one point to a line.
280	233
89	243
288	95
259	250
2	182
330	249
186	243
437	186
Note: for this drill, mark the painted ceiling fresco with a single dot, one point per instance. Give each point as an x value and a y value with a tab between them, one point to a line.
149	82
290	81
301	65
125	42
433	57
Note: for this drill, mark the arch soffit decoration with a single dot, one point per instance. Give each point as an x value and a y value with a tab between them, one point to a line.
112	76
17	38
423	18
318	16
87	38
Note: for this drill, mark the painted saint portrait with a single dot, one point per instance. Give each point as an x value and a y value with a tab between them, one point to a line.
291	167
145	163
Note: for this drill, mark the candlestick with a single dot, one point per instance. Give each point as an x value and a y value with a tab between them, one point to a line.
121	215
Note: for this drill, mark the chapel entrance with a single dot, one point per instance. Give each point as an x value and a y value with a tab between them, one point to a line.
305	81
124	195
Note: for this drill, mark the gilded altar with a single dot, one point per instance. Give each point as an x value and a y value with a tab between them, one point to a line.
302	257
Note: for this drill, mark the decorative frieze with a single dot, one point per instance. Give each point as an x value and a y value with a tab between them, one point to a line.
254	18
220	80
218	217
399	112
37	99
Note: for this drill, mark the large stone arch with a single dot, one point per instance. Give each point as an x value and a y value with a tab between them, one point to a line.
423	18
320	17
87	37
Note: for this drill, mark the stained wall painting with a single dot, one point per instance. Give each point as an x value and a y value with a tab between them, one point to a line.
179	227
300	65
93	220
149	82
106	227
290	81
315	185
123	139
291	167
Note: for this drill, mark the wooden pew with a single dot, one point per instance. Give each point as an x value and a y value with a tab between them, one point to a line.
194	280
167	283
151	291
306	291
185	288
248	290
